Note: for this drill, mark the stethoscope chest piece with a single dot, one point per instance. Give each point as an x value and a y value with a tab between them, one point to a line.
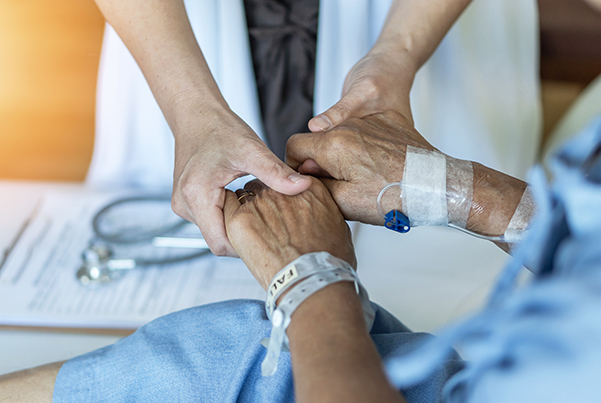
95	268
125	229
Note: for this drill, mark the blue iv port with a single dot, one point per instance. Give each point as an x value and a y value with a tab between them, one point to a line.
397	221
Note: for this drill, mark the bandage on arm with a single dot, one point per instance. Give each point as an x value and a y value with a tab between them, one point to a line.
437	190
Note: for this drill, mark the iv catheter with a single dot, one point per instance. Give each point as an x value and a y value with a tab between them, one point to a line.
397	221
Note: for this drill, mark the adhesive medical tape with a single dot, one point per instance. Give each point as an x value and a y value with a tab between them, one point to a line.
459	191
435	190
423	189
438	191
521	217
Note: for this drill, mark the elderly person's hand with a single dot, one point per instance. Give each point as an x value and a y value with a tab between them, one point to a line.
359	157
269	230
333	356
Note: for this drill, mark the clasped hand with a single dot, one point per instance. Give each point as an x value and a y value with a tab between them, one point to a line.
215	146
269	230
354	162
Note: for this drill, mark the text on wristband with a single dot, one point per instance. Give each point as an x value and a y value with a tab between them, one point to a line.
283	279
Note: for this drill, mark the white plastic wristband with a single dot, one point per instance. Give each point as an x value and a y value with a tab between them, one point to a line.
322	275
301	268
307	265
282	315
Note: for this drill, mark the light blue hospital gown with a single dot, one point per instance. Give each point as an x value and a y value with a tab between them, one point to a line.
539	343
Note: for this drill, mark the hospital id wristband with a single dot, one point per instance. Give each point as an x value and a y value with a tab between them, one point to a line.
318	278
298	270
282	315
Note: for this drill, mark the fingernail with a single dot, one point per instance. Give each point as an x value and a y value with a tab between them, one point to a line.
323	122
296	178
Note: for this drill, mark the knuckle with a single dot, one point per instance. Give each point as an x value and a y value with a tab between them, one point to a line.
292	143
340	140
180	209
316	190
188	189
343	193
239	224
316	185
177	207
340	112
219	249
321	192
370	88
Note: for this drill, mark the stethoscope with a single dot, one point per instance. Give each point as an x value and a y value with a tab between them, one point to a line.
100	266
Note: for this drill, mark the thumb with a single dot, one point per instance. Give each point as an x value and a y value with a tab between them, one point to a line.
348	107
270	170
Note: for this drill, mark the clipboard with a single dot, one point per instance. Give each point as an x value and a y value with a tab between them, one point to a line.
39	290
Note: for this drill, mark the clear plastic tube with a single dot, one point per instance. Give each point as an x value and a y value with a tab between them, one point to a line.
450	224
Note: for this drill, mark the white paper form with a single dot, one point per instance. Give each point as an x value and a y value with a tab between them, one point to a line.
38	286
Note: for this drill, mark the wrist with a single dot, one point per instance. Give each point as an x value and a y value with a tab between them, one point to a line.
305	278
297	269
326	315
393	49
196	115
283	257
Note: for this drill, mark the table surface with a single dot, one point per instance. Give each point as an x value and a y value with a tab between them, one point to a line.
427	278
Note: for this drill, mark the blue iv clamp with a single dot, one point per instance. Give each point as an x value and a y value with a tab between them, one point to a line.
394	220
397	221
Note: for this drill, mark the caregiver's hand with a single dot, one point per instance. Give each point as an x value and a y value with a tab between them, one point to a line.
382	80
357	159
218	148
270	230
213	145
379	82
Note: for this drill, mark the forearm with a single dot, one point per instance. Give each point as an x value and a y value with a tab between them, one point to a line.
414	28
159	36
333	356
31	385
496	199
